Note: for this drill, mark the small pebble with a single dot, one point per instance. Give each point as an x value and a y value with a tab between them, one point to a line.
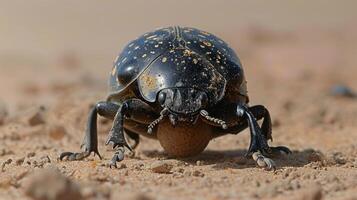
19	161
57	132
36	116
7	162
31	154
342	91
57	186
161	166
315	156
198	173
126	172
312	193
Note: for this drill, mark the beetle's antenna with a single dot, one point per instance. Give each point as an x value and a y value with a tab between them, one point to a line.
163	113
212	119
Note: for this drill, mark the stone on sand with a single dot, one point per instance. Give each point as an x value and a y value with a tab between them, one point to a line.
50	184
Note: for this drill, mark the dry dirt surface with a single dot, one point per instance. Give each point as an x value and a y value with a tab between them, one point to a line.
44	108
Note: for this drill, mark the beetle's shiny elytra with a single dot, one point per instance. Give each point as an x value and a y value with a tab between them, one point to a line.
177	57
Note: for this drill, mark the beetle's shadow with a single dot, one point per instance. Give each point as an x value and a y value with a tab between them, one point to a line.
235	159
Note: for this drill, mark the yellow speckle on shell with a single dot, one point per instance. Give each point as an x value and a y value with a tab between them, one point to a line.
207	43
205	33
144	55
195	61
114	71
151	37
150	83
164	59
187	52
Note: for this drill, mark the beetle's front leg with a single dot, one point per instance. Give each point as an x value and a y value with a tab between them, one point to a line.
259	147
134	109
116	134
259	112
258	141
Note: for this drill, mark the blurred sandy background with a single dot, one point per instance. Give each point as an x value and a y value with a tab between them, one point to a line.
58	54
37	36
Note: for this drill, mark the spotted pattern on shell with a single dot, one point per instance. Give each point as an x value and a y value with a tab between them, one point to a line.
183	47
181	69
213	49
139	53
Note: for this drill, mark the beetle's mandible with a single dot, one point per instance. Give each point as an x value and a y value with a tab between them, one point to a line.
184	87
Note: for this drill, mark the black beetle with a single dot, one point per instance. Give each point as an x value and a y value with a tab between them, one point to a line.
179	75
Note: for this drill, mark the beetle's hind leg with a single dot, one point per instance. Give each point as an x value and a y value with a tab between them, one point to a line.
259	148
90	142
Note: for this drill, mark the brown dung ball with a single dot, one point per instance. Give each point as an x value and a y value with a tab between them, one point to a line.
184	139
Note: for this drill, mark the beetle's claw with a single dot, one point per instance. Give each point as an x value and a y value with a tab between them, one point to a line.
112	164
117	143
72	156
263	161
280	150
68	155
118	156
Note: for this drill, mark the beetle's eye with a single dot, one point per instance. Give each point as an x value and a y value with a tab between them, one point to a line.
204	99
161	98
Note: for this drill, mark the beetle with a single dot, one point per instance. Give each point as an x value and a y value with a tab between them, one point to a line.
173	81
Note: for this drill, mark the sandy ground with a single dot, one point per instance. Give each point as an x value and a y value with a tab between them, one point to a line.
46	96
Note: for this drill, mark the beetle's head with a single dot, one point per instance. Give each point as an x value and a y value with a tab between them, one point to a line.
183	104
